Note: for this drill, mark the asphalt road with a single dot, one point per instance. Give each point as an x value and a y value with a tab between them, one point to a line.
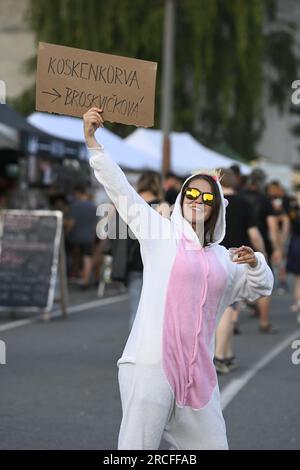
59	385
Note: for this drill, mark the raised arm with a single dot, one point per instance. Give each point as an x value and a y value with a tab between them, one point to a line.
143	221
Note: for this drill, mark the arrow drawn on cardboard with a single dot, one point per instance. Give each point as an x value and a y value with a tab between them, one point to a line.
56	94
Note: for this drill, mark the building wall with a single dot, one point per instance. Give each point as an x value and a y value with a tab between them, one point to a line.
278	144
16	45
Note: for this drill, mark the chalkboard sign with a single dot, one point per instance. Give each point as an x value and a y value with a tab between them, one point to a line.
30	243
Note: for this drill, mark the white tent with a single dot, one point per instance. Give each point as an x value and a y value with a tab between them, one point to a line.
187	153
72	128
9	137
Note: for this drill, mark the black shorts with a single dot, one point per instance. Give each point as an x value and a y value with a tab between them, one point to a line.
85	249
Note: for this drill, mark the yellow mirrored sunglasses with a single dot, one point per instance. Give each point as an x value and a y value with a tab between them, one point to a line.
194	193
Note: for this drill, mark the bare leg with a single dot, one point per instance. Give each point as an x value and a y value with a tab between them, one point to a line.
87	269
297	288
282	274
297	295
264	304
224	334
235	312
97	260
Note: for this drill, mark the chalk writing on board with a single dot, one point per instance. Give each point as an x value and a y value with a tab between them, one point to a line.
29	245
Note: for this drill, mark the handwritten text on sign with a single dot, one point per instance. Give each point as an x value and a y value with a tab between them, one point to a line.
70	81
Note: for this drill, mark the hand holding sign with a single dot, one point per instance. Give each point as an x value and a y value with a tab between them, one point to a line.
92	121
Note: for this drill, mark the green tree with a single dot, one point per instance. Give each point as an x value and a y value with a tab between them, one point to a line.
232	56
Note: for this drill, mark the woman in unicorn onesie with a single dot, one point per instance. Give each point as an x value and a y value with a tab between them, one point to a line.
167	379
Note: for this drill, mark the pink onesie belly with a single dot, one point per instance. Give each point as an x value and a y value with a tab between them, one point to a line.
197	282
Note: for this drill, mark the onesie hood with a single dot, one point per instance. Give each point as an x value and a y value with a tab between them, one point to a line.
184	226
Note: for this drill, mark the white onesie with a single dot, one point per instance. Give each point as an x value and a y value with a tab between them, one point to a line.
167	379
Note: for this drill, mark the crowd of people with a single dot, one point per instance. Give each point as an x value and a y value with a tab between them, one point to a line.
259	214
184	289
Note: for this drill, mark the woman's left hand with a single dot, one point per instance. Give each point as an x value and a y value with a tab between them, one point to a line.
245	256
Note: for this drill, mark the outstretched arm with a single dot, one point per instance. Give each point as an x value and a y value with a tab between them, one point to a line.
140	217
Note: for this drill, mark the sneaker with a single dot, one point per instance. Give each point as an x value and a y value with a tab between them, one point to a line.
221	366
268	329
281	291
230	363
283	288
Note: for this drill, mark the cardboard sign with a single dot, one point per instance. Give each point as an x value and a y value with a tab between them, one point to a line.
70	81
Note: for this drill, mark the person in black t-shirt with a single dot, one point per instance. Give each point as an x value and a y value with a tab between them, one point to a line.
81	221
241	179
264	213
267	224
241	230
293	256
279	201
